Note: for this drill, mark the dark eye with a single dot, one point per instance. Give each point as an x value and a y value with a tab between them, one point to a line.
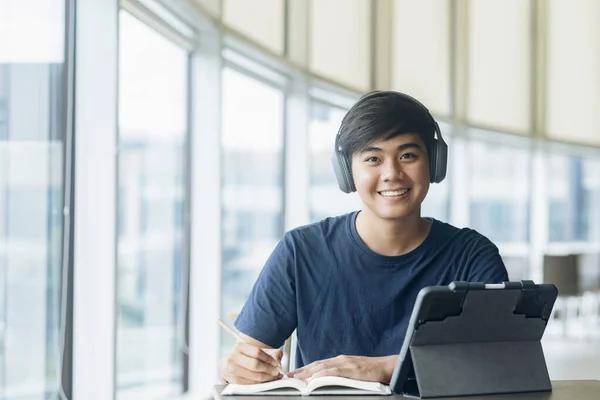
372	159
408	156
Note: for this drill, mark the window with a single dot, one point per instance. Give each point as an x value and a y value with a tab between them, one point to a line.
252	184
151	198
31	201
517	266
326	199
574	192
590	214
499	190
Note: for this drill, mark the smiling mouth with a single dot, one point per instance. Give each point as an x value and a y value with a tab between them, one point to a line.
393	193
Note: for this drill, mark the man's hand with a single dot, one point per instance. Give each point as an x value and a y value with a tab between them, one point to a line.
247	364
376	369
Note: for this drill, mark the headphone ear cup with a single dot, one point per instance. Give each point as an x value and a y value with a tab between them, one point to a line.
440	161
433	162
348	172
343	173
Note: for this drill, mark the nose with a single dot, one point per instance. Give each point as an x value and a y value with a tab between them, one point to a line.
391	170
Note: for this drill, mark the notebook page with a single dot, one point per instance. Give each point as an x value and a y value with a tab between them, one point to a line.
296	385
352	386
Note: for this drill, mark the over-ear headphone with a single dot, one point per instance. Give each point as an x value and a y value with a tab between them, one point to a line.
438	151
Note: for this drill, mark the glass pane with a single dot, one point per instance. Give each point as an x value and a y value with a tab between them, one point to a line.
562	171
252	182
518	267
20	43
326	199
151	196
574	192
590	213
31	202
499	191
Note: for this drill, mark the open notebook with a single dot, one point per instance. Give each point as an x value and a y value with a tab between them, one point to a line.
326	385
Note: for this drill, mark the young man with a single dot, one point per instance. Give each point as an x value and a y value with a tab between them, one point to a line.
348	284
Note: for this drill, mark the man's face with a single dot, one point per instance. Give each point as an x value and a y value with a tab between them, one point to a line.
392	176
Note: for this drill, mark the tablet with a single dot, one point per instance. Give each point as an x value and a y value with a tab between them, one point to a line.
466	322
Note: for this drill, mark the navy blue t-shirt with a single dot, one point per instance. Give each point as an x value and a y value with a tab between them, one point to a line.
343	298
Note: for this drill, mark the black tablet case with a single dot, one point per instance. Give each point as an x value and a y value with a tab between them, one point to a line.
464	339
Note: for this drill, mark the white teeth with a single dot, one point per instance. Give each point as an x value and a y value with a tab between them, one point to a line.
394	192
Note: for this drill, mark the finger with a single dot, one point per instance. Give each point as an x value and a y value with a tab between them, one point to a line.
314	368
304	373
308	370
303	369
255	365
233	374
335	371
275	353
277	356
257	353
237	373
295	373
241	381
256	377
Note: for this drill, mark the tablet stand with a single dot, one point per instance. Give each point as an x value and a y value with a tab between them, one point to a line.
497	349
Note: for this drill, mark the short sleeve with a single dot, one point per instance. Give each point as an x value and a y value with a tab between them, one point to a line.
270	315
486	265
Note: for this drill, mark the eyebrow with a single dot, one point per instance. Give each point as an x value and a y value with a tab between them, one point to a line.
402	147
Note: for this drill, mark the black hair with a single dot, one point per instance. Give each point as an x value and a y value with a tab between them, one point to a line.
383	115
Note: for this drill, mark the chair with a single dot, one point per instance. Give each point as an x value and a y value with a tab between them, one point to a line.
563	271
589	277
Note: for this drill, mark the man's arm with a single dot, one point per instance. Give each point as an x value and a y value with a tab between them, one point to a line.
250	362
269	315
254	342
266	320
